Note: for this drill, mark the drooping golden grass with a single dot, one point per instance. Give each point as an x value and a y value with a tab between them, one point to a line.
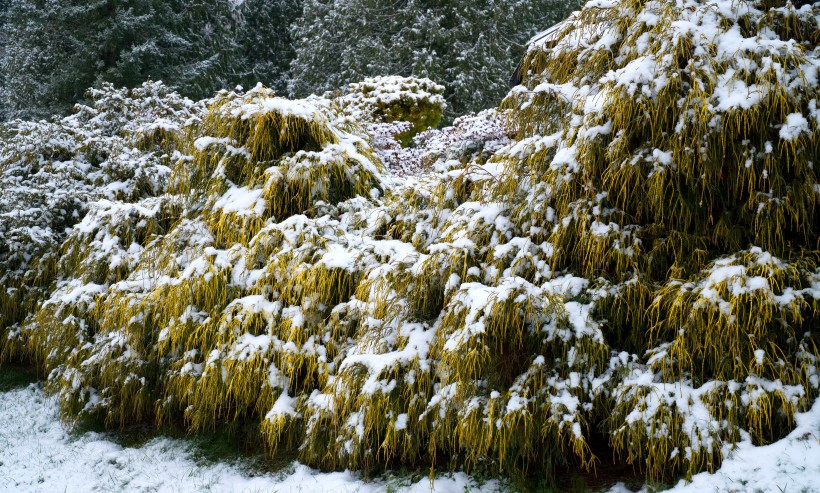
641	262
695	211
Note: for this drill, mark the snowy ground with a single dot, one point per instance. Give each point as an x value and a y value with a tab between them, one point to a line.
791	465
37	454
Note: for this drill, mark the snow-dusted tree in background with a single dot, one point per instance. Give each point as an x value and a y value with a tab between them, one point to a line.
3	8
57	49
264	48
469	46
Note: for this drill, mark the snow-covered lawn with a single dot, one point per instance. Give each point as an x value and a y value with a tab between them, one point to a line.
37	454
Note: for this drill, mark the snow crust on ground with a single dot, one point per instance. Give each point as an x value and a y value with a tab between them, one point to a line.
790	465
38	454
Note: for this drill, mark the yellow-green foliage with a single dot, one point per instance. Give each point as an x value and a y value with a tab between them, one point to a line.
509	401
668	151
116	151
642	262
397	99
179	324
281	154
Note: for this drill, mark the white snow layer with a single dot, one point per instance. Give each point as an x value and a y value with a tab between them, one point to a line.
791	464
37	454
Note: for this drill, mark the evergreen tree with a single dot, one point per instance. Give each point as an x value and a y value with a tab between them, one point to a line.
264	49
469	46
3	41
57	49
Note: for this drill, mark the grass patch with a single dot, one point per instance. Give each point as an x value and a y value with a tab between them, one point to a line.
15	376
243	446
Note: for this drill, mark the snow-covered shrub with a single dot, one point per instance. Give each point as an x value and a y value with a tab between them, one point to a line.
418	101
638	256
284	278
666	153
471	139
51	171
196	309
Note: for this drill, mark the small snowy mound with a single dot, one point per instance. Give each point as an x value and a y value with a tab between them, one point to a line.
417	101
